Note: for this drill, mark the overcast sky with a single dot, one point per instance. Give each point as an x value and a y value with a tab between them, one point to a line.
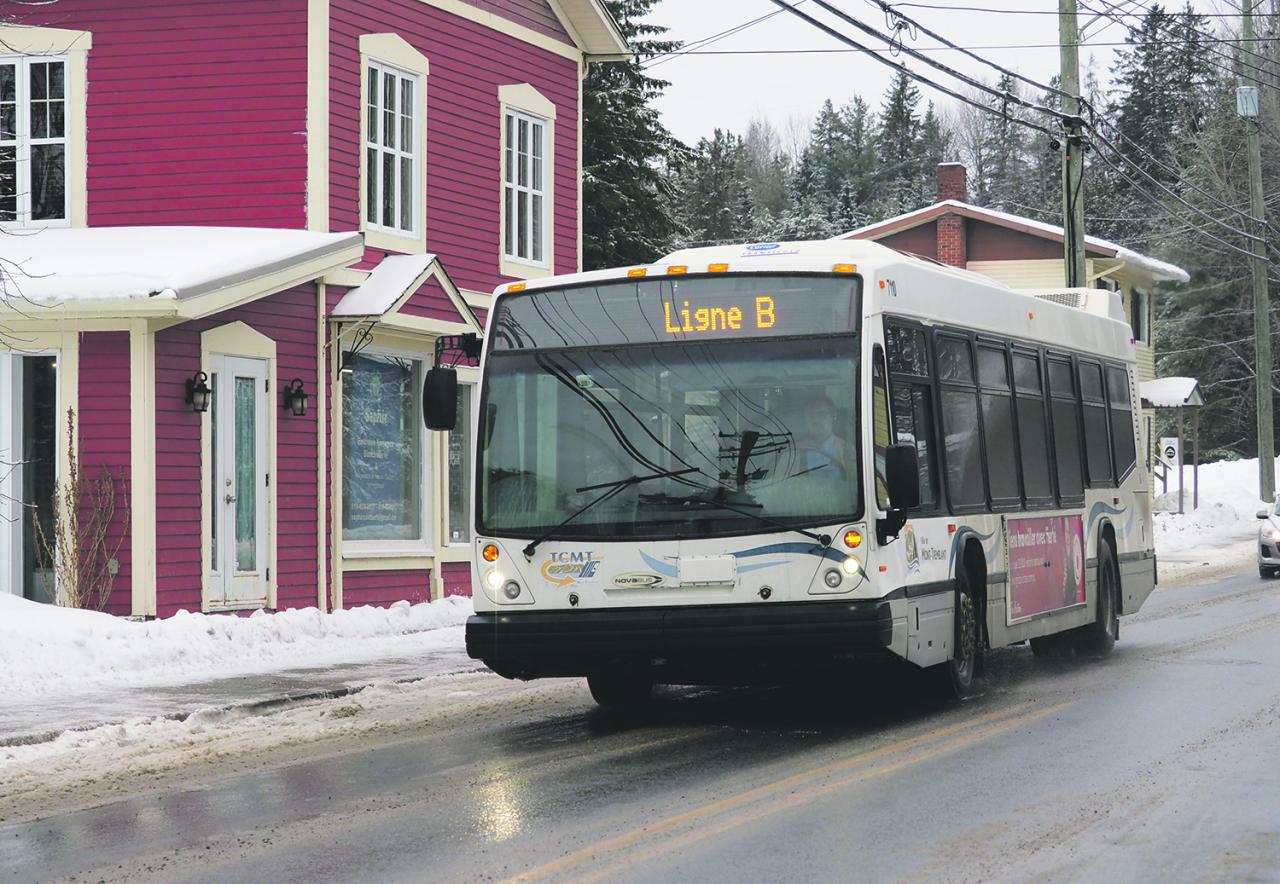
709	91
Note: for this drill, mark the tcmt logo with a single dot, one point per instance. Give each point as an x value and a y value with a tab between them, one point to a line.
565	568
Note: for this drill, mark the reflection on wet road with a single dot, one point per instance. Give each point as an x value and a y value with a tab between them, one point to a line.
1158	762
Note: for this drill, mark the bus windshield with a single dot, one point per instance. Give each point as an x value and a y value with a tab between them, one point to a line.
705	437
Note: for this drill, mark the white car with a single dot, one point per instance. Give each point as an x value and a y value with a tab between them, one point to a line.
1269	541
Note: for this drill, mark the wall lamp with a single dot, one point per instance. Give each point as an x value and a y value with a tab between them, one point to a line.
295	398
198	392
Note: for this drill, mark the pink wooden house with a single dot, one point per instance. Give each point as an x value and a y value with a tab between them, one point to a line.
234	230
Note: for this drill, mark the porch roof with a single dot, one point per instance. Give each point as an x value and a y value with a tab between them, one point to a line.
392	283
149	270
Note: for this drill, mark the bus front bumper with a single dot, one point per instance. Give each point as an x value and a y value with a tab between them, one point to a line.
713	642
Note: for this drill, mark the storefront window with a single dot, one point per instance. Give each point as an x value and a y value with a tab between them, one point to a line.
382	474
460	470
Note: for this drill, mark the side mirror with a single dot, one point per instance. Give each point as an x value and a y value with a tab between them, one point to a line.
440	399
902	476
1262	514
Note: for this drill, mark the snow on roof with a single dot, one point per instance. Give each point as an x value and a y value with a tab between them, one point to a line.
395	277
1171	392
57	265
1158	269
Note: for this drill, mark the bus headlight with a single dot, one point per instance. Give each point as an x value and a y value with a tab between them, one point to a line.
494	579
511	590
832	578
851	566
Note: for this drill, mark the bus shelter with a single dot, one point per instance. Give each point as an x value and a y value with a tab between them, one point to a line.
1180	395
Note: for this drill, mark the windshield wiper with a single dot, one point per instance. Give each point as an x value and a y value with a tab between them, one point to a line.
718	501
824	540
613	487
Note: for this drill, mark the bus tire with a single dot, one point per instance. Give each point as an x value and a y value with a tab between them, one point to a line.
954	679
1266	573
1099	637
620	689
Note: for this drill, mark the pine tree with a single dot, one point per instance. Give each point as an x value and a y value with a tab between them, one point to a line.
628	197
899	143
1007	149
717	191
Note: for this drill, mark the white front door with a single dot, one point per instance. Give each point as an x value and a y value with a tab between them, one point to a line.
29	418
239	566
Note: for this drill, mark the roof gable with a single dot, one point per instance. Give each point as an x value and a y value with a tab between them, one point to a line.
1095	246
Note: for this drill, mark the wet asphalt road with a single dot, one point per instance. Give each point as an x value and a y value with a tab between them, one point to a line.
1161	762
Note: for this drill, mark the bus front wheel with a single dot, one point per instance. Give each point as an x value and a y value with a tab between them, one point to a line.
954	679
1099	637
620	689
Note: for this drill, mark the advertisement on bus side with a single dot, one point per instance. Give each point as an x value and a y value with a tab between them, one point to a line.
1046	565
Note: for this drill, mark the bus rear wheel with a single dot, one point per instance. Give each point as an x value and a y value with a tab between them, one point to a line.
954	679
620	689
1099	637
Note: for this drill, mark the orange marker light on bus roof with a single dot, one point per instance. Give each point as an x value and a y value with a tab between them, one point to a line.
517	286
717	268
489	553
845	268
677	269
853	539
882	283
637	271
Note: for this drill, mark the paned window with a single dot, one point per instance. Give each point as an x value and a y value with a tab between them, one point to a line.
33	140
382	457
1122	441
524	198
911	404
1033	437
1094	409
393	149
1066	431
966	486
998	427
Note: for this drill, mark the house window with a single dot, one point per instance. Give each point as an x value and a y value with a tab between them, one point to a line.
524	187
382	451
392	149
1138	315
33	139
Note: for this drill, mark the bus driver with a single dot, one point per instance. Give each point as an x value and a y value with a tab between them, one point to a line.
823	452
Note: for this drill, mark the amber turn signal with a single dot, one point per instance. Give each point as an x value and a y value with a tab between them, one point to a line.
489	553
853	539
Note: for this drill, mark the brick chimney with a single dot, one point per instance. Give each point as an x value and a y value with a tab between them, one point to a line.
952	237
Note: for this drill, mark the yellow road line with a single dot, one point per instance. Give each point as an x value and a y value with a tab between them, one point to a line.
785	793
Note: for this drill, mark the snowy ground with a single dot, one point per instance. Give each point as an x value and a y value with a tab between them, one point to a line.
1217	537
47	651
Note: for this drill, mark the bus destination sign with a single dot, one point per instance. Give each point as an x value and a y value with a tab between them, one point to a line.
642	311
762	315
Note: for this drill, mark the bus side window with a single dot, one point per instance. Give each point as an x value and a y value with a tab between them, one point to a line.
966	486
1097	445
998	427
880	423
1033	434
1122	442
1066	430
911	404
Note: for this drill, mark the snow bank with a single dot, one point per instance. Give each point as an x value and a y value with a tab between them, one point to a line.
1227	513
47	650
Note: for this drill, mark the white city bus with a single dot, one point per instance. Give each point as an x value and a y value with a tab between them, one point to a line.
745	463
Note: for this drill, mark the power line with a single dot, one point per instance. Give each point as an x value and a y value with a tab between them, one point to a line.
901	67
1006	97
894	50
656	60
950	8
889	11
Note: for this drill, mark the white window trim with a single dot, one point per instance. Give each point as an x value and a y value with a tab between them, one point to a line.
523	100
386	549
393	52
73	48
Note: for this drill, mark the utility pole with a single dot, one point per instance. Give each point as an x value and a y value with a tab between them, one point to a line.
1249	106
1073	155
